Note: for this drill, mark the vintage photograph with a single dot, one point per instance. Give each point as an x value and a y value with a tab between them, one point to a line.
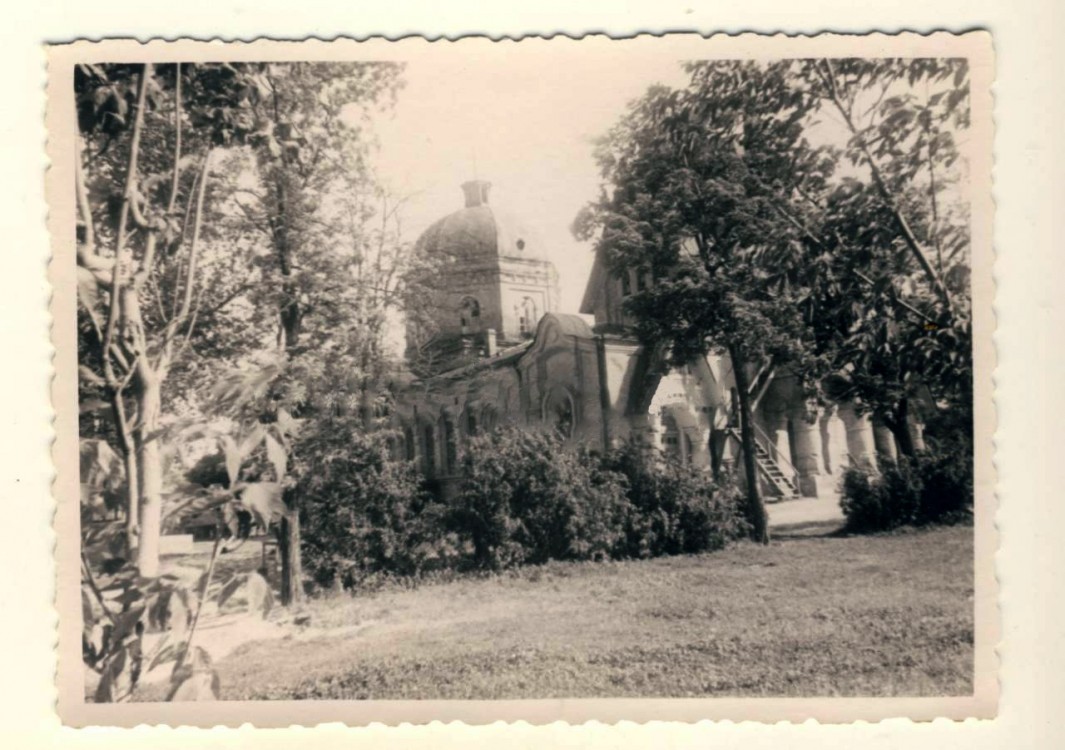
559	369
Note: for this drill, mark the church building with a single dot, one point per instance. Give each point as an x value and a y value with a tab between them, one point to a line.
502	352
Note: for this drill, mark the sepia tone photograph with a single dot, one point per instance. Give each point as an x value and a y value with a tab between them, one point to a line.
586	370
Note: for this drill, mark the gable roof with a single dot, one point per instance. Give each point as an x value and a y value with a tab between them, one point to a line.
597	279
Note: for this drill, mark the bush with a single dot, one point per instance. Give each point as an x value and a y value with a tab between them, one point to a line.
674	509
873	502
947	496
526	498
361	513
933	488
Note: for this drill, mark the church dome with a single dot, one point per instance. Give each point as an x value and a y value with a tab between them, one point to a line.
480	231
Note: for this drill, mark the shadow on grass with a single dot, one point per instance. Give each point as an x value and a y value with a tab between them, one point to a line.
810	530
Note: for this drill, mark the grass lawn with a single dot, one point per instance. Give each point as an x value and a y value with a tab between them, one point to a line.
805	616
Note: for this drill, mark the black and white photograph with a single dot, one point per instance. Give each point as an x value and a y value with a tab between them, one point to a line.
553	371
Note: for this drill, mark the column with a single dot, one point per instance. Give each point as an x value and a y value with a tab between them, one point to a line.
834	441
700	436
884	439
776	427
860	443
807	436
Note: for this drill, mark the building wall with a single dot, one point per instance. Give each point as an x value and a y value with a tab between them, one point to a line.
520	279
604	388
477	280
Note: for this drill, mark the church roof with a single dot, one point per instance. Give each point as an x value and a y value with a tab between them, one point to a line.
480	231
567	325
597	279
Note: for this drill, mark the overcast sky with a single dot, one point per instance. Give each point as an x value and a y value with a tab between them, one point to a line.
528	127
524	126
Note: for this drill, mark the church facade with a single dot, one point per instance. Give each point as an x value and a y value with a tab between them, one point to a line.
503	353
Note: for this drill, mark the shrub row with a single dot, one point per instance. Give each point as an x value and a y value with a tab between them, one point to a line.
931	488
525	498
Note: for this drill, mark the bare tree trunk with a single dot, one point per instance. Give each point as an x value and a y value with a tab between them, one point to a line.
124	339
133	502
291	314
129	460
151	472
900	428
115	313
756	514
288	537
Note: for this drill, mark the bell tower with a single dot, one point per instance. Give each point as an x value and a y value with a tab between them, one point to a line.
491	283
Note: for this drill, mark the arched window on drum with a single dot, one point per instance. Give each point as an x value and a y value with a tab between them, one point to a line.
527	317
470	315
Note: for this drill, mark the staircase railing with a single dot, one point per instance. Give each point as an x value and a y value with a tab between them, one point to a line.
770	447
760	435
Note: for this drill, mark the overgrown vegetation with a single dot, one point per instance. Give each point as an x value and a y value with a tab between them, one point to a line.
121	608
674	509
930	488
844	262
526	498
363	513
230	233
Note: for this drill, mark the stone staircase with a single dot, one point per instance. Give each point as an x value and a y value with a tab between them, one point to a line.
785	487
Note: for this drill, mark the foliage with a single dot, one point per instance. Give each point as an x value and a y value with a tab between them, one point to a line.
694	177
102	479
361	512
892	243
326	244
933	488
846	265
172	291
120	605
526	498
326	234
947	473
882	502
674	509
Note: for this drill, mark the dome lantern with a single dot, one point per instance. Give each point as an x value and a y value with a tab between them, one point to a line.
476	192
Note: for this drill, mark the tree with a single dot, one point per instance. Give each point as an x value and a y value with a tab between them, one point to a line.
141	202
329	279
891	242
694	181
848	265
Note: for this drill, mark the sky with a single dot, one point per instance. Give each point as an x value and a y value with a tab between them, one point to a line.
526	126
